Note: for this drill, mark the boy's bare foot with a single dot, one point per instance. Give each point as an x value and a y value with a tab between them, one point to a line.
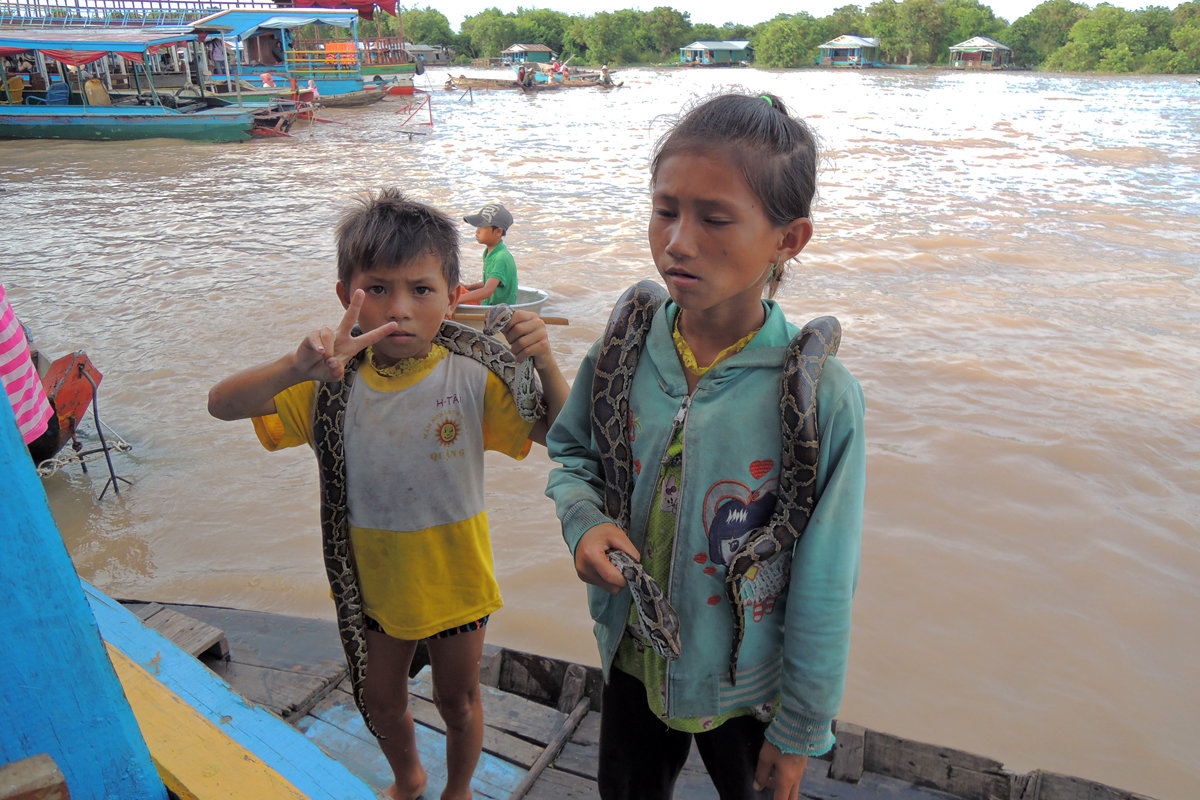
413	793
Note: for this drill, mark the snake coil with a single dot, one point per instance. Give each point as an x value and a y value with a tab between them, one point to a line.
616	363
328	438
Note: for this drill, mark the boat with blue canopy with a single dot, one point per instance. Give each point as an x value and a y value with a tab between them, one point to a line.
73	105
259	46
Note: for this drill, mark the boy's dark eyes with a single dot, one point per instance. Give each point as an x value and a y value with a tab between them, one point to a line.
375	290
422	290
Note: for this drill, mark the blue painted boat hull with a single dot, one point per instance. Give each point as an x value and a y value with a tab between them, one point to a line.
116	123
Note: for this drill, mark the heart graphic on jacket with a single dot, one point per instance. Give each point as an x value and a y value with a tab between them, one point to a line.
731	510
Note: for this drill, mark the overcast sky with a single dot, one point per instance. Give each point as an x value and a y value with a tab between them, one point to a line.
717	12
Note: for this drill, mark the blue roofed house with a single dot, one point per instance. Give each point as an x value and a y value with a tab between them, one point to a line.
716	53
849	51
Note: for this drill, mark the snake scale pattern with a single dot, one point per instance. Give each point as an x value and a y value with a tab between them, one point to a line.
805	357
328	426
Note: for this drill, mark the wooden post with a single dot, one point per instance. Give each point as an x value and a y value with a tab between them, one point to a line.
62	697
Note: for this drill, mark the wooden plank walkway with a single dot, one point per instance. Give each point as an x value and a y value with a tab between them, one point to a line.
295	668
544	745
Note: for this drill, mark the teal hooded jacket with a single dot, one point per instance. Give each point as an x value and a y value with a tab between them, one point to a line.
798	611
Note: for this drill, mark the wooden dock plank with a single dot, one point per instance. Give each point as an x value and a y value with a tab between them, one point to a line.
271	739
285	664
504	711
555	785
949	770
340	731
276	641
190	634
499	743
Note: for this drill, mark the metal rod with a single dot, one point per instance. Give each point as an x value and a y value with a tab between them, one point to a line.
113	477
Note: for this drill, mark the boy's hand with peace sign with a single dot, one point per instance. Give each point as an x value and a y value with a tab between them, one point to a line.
322	356
324	353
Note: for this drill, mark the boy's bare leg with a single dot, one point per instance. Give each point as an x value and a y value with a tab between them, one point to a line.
386	696
455	662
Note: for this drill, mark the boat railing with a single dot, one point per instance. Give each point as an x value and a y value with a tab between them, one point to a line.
372	51
124	13
322	64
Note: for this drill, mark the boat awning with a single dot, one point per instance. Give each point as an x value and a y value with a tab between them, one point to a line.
243	23
76	47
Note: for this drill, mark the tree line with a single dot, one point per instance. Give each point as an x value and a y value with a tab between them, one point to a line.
1058	35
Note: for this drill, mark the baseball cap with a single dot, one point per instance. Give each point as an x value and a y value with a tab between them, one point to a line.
491	215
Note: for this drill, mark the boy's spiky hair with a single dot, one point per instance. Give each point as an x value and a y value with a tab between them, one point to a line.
385	229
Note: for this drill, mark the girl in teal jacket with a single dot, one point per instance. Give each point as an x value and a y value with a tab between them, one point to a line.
732	187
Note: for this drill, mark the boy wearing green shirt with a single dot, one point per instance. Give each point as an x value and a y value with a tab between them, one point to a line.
499	284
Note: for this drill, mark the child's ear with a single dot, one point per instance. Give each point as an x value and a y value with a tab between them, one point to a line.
795	236
343	294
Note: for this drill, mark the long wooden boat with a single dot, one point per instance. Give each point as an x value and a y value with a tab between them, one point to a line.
542	722
92	113
463	82
362	97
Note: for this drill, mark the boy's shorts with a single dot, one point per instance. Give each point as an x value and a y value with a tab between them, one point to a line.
373	625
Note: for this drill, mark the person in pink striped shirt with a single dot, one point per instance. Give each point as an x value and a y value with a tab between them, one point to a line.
35	415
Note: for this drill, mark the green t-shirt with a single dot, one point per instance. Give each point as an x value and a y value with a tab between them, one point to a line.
499	263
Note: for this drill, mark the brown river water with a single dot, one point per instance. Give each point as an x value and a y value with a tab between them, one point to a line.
1014	261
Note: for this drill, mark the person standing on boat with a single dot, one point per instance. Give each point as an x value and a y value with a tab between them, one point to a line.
754	670
35	415
499	284
399	425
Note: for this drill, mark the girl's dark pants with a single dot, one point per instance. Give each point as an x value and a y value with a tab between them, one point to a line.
640	757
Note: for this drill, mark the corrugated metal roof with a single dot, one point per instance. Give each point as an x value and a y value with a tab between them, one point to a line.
848	40
527	48
980	43
706	44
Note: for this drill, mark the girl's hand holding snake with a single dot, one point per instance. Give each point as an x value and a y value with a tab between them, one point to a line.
324	353
591	560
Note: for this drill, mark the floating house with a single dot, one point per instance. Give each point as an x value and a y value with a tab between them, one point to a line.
527	53
850	51
714	53
980	52
430	55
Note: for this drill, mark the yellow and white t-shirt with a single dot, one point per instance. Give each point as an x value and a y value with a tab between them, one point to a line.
414	470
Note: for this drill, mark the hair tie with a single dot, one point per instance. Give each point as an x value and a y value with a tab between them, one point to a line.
767	97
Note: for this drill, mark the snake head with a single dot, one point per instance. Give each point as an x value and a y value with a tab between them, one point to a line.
666	646
497	319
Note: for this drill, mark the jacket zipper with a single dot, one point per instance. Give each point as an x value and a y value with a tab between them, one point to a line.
677	424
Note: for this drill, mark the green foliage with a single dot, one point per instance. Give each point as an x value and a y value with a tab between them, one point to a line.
489	32
1037	35
779	45
1057	34
969	18
427	26
542	26
1186	41
667	30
